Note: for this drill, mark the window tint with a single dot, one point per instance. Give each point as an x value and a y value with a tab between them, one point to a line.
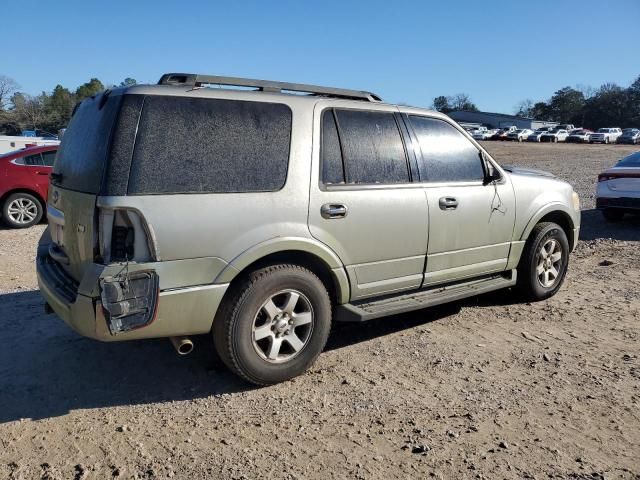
189	145
372	147
332	168
83	152
447	155
48	158
33	160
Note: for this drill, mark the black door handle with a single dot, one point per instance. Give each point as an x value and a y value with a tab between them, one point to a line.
448	203
333	210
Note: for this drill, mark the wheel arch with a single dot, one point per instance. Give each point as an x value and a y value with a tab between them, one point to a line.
556	213
307	253
34	193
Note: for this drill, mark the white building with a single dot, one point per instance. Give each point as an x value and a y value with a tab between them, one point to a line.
10	143
498	120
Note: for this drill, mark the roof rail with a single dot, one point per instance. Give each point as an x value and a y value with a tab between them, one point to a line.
197	80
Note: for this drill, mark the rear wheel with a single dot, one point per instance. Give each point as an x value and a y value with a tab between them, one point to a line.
274	325
544	262
612	214
21	210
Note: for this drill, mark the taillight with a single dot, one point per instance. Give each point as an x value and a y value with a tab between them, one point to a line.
603	177
124	236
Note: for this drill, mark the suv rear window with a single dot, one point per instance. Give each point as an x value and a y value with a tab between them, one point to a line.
194	145
83	152
362	147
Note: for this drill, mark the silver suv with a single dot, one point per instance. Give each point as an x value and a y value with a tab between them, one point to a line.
263	212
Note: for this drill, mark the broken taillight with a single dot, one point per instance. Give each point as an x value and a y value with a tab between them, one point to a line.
129	299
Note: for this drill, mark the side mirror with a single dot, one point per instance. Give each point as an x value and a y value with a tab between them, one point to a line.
491	177
490	173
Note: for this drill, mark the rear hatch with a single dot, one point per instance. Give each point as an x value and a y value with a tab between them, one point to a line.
77	180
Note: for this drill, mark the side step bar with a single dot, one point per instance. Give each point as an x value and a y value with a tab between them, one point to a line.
369	309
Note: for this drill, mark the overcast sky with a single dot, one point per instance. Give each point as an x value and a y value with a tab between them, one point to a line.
497	52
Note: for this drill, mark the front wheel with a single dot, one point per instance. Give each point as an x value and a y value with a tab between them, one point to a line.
274	325
544	262
21	210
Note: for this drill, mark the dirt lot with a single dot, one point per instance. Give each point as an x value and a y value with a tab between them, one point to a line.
486	388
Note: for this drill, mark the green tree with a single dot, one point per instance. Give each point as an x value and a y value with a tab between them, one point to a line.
567	105
609	107
633	100
128	82
89	89
59	107
441	104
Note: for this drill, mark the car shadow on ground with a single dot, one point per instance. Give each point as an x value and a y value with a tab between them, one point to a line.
47	370
594	226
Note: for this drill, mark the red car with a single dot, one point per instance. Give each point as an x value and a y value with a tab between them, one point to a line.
24	183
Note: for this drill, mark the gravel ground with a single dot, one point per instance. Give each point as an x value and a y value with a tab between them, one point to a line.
485	388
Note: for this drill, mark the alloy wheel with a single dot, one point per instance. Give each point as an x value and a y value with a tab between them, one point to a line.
549	263
283	326
22	211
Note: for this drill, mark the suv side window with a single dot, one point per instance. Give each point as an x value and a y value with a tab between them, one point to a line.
362	147
447	155
203	145
33	160
332	167
48	158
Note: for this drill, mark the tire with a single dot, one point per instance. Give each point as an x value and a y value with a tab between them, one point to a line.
606	141
260	306
536	281
612	214
21	210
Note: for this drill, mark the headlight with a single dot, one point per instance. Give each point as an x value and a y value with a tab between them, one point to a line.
576	201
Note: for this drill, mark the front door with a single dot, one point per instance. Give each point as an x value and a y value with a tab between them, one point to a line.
363	204
470	223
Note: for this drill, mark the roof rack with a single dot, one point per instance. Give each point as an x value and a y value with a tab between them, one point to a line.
197	80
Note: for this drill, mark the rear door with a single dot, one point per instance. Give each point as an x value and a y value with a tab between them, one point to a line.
470	224
76	181
363	204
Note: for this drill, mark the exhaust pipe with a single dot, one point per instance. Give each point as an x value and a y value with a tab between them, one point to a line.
183	345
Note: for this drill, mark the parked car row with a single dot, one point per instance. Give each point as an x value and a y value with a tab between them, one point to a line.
560	133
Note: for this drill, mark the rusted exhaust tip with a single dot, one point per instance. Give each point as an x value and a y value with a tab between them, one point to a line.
183	345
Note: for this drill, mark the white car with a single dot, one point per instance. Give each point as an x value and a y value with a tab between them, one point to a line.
555	136
535	135
519	135
618	190
605	135
579	135
484	134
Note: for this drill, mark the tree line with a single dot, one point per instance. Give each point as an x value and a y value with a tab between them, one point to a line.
610	105
47	112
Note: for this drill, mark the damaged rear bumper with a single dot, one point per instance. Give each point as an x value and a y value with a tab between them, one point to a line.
174	311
